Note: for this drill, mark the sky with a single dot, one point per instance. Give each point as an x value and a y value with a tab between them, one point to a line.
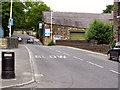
84	6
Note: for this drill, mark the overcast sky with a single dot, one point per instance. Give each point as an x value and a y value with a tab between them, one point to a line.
87	6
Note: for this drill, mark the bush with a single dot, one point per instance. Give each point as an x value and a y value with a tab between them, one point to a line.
100	31
51	43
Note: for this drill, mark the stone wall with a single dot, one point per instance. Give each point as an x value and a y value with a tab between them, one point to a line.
20	32
64	31
4	43
83	44
116	20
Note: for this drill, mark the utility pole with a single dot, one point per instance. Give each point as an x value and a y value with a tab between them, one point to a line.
51	25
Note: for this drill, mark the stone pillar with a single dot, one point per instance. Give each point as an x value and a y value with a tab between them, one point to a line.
116	19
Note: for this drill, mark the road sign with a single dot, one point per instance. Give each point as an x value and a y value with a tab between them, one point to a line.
10	22
47	32
40	25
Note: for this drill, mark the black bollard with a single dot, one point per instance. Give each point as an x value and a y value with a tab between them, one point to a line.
8	65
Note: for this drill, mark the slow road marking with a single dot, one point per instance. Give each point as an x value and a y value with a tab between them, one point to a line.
51	56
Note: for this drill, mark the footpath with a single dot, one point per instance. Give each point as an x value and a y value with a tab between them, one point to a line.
23	69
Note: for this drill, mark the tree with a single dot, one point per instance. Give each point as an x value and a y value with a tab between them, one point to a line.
35	14
18	15
26	15
99	31
109	9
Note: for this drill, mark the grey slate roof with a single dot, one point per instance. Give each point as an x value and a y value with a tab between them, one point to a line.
81	20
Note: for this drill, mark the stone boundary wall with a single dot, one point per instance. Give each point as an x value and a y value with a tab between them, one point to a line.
4	43
84	44
20	32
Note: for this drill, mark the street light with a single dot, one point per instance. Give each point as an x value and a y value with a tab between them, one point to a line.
10	26
10	18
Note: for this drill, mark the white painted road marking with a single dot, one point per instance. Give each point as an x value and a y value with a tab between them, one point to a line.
52	56
114	71
78	58
95	64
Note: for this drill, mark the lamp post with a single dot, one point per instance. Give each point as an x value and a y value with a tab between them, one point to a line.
51	24
10	26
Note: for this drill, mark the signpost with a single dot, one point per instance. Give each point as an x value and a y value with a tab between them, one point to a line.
10	24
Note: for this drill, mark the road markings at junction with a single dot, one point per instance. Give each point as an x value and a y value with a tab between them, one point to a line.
95	64
114	71
51	56
78	58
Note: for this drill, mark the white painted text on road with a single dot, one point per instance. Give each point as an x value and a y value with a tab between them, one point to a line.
51	56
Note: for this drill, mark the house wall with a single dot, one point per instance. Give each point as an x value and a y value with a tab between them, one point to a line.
116	20
64	31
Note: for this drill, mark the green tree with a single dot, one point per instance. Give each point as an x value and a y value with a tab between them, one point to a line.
100	31
35	14
109	9
18	15
26	15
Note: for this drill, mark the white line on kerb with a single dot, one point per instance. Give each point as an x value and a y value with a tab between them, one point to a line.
78	58
95	64
114	71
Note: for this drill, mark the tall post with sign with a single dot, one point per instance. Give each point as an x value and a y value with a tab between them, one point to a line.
10	24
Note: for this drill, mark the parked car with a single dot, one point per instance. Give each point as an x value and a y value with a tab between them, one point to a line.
114	52
30	40
19	39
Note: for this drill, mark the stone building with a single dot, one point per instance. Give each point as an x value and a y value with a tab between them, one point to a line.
68	25
116	19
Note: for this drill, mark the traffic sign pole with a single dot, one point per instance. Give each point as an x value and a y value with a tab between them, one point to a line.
10	27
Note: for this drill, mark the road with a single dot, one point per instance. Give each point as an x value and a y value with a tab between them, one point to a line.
65	67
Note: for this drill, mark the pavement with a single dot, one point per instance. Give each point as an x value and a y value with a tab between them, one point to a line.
23	69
